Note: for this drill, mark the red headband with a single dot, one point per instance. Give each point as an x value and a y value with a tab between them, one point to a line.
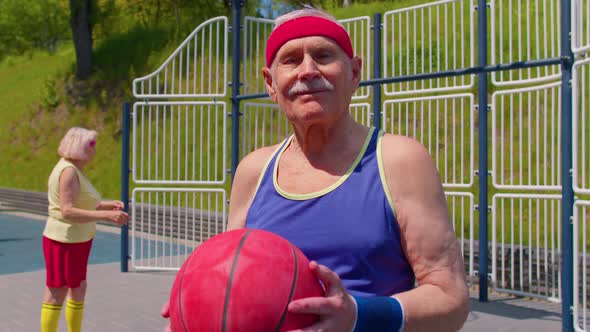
304	27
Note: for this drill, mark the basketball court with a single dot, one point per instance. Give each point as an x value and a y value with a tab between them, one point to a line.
131	301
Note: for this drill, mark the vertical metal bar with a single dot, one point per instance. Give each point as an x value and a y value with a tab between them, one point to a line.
530	116
209	161
438	46
377	70
446	137
483	150
585	143
584	265
195	63
178	141
423	60
545	249
202	134
235	86
521	146
567	194
194	144
210	65
125	183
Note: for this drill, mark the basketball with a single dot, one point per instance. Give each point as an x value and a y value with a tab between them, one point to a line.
242	280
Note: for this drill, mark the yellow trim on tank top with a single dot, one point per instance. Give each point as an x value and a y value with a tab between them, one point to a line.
301	197
261	176
382	173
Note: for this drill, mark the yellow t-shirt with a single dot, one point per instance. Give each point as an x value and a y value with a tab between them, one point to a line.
59	229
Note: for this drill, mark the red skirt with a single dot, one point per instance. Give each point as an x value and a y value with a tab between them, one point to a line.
65	263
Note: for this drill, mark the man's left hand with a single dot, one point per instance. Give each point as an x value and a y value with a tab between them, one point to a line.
337	310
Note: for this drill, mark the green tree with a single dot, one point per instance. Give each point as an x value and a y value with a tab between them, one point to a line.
26	25
81	25
180	13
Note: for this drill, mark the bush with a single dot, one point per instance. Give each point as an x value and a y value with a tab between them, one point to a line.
26	25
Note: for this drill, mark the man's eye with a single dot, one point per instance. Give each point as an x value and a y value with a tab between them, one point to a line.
289	60
324	55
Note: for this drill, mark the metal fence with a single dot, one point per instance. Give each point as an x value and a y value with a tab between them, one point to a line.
179	142
168	223
580	275
431	37
526	245
532	36
445	125
526	151
197	68
418	80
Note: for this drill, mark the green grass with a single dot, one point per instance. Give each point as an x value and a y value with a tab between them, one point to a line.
40	101
23	85
23	81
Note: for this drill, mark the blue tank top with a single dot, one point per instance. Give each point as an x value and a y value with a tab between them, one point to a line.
349	227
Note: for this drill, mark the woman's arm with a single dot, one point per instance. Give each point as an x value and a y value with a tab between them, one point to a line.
110	205
69	188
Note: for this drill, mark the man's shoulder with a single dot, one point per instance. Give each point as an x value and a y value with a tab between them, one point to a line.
245	182
399	148
253	163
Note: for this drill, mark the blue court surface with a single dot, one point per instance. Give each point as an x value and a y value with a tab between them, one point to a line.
21	248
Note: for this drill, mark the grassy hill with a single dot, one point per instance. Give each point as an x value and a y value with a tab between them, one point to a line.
40	100
25	126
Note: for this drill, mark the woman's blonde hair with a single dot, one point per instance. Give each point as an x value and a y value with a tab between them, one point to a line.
75	143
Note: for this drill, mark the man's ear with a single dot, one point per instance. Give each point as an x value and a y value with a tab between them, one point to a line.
357	66
269	84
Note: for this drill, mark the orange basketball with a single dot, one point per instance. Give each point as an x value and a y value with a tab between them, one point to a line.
242	280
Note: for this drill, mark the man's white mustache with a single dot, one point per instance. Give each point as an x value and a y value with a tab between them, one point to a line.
318	84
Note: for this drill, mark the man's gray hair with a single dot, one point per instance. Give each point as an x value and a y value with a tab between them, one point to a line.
305	11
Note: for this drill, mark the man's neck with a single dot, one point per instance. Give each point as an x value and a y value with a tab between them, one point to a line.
321	143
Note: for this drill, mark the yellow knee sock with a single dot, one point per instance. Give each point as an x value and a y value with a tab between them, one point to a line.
74	311
50	317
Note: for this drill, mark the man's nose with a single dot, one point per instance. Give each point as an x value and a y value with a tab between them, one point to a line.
308	69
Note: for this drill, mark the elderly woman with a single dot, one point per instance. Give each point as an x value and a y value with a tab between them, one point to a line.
74	208
367	207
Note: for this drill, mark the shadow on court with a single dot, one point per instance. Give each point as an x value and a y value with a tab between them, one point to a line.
507	308
509	313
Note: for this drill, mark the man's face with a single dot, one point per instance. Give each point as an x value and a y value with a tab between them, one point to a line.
312	79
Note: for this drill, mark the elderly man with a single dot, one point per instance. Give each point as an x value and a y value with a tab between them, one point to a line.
368	208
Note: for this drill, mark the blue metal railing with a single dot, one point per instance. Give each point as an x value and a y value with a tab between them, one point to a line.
482	61
235	85
376	71
125	183
567	192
